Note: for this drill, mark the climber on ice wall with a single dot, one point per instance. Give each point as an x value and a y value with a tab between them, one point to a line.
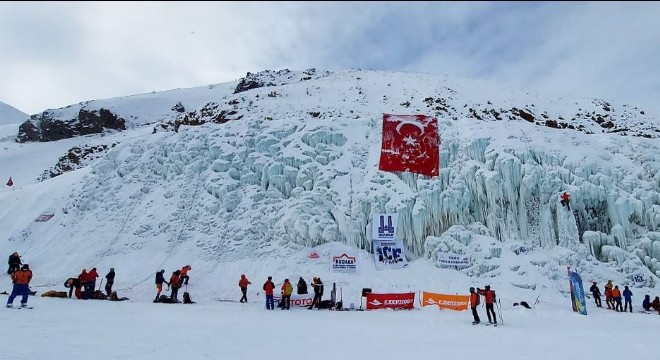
565	199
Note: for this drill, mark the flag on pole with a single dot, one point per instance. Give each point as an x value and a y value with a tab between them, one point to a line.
10	182
578	299
410	143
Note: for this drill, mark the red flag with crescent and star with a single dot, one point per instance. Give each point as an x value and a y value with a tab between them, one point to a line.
410	143
10	182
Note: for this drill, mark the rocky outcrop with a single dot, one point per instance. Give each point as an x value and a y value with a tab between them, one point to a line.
45	127
76	158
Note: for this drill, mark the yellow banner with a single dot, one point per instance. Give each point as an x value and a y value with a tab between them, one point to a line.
445	301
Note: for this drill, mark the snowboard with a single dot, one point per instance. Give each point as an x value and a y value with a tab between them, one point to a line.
20	307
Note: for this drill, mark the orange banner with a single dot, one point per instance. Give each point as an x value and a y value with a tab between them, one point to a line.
444	301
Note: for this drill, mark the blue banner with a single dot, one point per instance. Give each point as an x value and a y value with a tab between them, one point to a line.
578	300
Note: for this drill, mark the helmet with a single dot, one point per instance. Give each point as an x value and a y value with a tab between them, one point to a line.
26	266
471	289
112	269
162	270
487	287
84	270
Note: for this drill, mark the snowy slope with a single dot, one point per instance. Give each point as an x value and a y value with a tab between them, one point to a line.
295	166
11	115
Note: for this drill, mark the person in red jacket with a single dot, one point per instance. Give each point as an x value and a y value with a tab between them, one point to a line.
175	284
184	275
243	284
84	283
269	286
474	302
21	280
565	199
91	280
490	303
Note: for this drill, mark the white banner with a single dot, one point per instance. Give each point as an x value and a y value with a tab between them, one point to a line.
453	261
296	300
344	263
383	226
389	254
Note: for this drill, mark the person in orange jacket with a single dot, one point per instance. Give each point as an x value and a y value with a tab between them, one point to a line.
616	296
268	287
21	280
608	295
474	302
490	303
184	275
175	284
287	290
243	284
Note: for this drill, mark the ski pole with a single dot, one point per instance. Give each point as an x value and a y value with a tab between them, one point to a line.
100	283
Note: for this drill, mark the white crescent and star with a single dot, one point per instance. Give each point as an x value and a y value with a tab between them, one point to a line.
408	122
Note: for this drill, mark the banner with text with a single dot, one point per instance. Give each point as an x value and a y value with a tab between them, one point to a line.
578	299
383	226
390	301
445	301
304	300
389	254
344	263
453	261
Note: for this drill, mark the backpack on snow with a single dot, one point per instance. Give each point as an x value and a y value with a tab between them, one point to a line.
187	299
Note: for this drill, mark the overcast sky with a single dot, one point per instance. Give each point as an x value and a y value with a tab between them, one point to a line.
56	54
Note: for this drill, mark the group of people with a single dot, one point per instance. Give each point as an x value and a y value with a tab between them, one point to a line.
475	300
177	280
84	286
286	290
613	297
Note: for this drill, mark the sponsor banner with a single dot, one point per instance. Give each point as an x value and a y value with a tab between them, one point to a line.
446	301
453	261
390	301
296	300
344	263
383	226
639	278
389	254
410	143
44	217
578	300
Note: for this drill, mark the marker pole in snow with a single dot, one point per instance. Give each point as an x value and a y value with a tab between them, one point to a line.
100	284
499	311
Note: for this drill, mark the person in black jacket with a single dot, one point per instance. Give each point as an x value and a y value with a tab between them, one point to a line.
302	286
72	283
110	280
14	263
317	284
596	293
159	284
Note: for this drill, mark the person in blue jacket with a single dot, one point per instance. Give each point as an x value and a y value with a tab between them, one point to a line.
627	297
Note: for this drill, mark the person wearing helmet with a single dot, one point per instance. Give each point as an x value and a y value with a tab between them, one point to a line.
490	303
243	284
608	295
110	280
160	279
595	291
184	275
21	280
474	302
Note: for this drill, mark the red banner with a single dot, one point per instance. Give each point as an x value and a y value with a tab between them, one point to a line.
410	143
390	301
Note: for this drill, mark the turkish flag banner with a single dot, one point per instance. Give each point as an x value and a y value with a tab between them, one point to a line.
10	182
410	143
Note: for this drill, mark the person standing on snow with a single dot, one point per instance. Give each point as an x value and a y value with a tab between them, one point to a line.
14	263
302	286
21	280
175	284
616	296
243	284
91	276
627	296
287	290
268	287
317	284
595	291
608	295
474	302
109	281
565	199
160	279
490	303
646	304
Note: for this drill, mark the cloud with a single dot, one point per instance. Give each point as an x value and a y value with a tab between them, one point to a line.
63	53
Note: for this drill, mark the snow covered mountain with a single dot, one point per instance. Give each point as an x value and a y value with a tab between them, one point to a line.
248	176
11	115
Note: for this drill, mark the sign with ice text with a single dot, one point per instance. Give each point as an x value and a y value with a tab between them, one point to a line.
389	254
453	261
384	226
344	263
